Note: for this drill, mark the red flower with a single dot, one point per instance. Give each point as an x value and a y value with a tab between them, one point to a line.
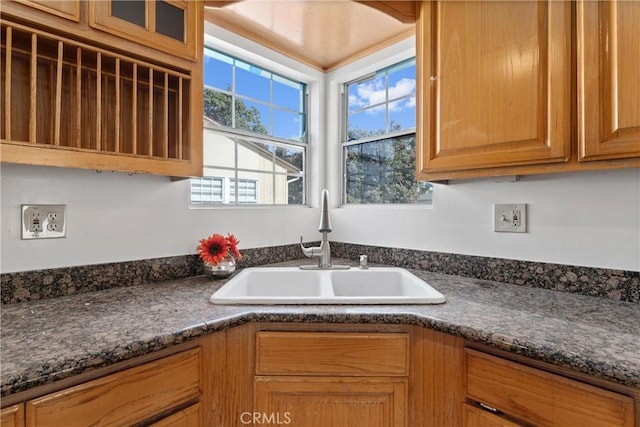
215	247
233	246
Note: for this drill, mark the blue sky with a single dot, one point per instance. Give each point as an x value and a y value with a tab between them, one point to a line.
368	103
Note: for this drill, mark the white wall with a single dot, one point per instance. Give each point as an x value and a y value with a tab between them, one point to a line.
590	218
116	217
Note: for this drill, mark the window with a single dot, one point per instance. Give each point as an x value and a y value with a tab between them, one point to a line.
246	191
254	134
207	190
379	139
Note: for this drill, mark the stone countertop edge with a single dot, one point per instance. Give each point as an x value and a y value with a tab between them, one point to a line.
47	340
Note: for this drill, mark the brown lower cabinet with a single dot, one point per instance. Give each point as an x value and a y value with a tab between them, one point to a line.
541	398
12	416
271	374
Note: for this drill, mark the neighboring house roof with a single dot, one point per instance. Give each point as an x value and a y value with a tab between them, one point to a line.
289	167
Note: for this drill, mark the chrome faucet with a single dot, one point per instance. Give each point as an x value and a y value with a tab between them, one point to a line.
322	252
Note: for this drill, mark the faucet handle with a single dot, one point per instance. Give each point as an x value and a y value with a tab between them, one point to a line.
308	252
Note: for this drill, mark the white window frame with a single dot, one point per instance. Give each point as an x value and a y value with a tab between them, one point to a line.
246	50
343	140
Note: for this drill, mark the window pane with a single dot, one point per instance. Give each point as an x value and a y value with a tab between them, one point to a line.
131	11
383	172
366	93
207	190
402	80
287	125
290	160
238	95
244	189
218	150
287	94
218	70
264	184
255	155
252	81
252	116
295	190
366	123
402	114
217	108
170	20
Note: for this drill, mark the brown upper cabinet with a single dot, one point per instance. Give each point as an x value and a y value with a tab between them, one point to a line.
495	88
166	25
69	9
608	47
80	97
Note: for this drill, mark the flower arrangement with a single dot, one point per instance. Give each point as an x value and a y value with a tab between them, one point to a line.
214	248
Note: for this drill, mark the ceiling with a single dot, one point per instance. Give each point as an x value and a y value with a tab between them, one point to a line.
324	34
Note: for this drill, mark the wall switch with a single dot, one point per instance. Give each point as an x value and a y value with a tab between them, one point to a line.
43	221
510	217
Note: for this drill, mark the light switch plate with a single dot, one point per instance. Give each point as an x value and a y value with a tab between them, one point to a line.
43	221
510	217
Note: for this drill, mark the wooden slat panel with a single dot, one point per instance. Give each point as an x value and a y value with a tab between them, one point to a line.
58	100
33	89
123	398
180	124
45	70
150	112
7	84
134	109
78	138
165	118
118	137
299	353
542	398
99	101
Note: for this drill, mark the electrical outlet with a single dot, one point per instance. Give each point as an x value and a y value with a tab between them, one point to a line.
510	217
43	221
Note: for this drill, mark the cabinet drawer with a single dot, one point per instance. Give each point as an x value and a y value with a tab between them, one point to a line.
476	417
188	417
122	398
329	353
540	397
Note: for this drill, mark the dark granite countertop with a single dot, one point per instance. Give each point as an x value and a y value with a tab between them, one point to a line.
47	340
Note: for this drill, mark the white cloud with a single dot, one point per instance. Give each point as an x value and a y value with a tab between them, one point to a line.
373	92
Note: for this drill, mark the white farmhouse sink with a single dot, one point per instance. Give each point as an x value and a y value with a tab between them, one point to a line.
290	285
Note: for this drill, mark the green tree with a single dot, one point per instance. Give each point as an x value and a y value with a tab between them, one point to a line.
382	171
218	105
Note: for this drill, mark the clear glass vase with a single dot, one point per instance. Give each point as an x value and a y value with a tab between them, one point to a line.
224	268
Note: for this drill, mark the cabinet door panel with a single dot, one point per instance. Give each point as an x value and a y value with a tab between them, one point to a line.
495	82
542	398
608	43
12	416
168	26
331	401
327	353
69	9
123	398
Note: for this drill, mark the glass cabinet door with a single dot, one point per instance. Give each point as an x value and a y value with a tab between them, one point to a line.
166	25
